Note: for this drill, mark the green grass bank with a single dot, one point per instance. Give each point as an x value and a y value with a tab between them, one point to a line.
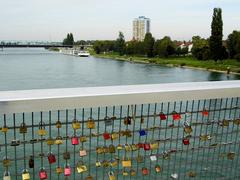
187	62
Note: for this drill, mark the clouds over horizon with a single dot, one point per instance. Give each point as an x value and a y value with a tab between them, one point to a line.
94	19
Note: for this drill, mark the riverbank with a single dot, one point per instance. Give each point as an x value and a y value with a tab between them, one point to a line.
184	62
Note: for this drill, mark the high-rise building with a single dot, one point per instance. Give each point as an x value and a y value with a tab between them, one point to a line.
141	26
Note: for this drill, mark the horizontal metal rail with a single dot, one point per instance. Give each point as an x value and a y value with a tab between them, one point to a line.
90	97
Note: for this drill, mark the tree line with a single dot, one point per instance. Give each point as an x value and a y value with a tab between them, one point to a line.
203	49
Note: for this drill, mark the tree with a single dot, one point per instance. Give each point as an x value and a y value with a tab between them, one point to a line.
120	44
200	49
233	43
149	44
164	47
69	40
215	42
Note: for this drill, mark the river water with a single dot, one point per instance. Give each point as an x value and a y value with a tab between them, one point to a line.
41	69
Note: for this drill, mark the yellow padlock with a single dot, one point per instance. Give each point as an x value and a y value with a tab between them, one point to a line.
111	175
83	139
125	173
154	145
58	140
25	175
126	163
114	163
58	124
81	167
23	128
90	123
114	136
59	170
127	147
98	164
4	129
42	131
76	124
50	141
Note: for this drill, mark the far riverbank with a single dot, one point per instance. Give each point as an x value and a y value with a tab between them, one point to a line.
185	62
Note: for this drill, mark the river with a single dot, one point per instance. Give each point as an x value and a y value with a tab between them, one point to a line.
40	69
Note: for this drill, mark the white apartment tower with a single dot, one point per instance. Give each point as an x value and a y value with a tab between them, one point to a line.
141	26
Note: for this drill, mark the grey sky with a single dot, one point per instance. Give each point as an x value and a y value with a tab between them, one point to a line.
102	19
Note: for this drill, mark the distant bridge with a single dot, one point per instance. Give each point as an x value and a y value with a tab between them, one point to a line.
34	46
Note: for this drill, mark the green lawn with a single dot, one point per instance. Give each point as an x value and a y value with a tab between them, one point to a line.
233	64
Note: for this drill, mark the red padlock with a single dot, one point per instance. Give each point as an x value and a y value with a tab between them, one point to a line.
106	136
140	145
67	170
205	112
75	140
162	116
145	171
51	158
43	174
186	141
147	147
176	116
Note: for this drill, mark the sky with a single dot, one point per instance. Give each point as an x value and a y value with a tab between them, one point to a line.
51	20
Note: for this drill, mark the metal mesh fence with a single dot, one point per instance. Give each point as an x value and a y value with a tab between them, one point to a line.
184	140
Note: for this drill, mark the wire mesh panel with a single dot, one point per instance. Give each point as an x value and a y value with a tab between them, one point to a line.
180	140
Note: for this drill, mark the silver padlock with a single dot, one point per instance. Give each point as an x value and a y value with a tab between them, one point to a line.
6	176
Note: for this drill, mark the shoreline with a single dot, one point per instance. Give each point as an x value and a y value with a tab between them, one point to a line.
161	64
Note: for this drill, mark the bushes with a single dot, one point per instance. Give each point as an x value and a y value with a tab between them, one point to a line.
237	57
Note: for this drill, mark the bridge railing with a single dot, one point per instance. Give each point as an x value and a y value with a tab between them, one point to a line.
145	131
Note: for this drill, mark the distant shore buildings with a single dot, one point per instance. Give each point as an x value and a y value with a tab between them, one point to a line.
141	26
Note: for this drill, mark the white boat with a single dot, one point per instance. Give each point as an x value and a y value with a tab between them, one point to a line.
83	54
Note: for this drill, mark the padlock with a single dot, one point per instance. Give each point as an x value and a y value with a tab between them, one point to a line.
188	129
43	174
153	158
139	159
142	120
6	176
231	155
154	145
51	158
145	171
174	176
58	140
81	168
140	145
127	147
105	164
111	175
67	170
58	124
126	163
98	164
113	163
66	155
192	174
119	147
90	123
75	140
147	147
99	150
76	124
89	177
236	122
59	170
205	112
106	136
127	133
42	131
31	162
83	139
23	128
225	123
50	141
162	116
15	142
205	137
105	149
166	155
132	172
125	173
128	120
157	168
108	121
112	149
82	152
6	162
186	141
176	116
134	147
114	136
25	175
4	129
142	132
